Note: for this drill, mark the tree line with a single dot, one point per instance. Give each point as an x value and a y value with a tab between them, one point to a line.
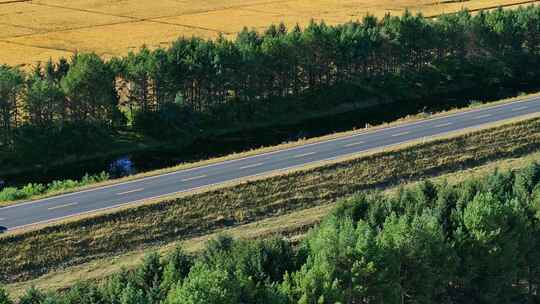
197	87
477	241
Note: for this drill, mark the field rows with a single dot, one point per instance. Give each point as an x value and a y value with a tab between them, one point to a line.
37	30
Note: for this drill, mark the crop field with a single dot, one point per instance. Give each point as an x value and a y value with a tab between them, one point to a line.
32	31
29	254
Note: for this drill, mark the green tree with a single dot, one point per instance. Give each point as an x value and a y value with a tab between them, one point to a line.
205	285
32	296
526	181
11	86
113	287
136	68
4	297
83	293
89	86
44	103
133	295
52	300
495	229
258	266
418	263
326	277
149	276
176	269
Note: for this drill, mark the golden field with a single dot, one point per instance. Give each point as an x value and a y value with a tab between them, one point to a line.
32	31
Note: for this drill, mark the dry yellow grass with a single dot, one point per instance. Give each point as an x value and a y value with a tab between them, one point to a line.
50	19
17	53
111	40
32	31
294	223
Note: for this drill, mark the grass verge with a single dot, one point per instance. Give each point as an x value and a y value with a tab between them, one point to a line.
28	254
184	166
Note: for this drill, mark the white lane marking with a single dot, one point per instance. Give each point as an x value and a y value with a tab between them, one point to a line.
353	144
191	189
130	191
251	166
194	178
62	206
443	125
460	113
483	116
519	109
303	155
402	133
2	218
214	184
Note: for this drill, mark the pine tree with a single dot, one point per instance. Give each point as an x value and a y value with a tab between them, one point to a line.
11	85
133	295
176	269
205	285
32	296
149	276
4	297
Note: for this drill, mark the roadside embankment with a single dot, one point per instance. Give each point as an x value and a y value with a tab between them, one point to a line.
27	254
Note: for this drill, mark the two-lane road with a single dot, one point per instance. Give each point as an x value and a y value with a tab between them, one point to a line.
55	208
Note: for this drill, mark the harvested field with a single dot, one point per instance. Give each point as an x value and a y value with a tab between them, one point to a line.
32	31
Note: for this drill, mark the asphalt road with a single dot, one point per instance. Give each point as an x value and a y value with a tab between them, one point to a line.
55	208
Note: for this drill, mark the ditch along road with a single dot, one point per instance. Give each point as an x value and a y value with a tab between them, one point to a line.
132	192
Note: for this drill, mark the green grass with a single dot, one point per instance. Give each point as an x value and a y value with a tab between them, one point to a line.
31	253
33	190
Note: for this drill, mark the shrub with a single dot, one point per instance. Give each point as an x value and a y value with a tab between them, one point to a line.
35	189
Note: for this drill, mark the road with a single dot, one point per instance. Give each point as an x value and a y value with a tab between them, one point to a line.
59	207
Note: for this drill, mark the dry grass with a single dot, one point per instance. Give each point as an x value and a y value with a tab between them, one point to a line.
37	30
28	254
18	53
292	225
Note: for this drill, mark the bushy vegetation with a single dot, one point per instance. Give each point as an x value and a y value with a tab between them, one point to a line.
474	242
197	87
32	253
33	189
